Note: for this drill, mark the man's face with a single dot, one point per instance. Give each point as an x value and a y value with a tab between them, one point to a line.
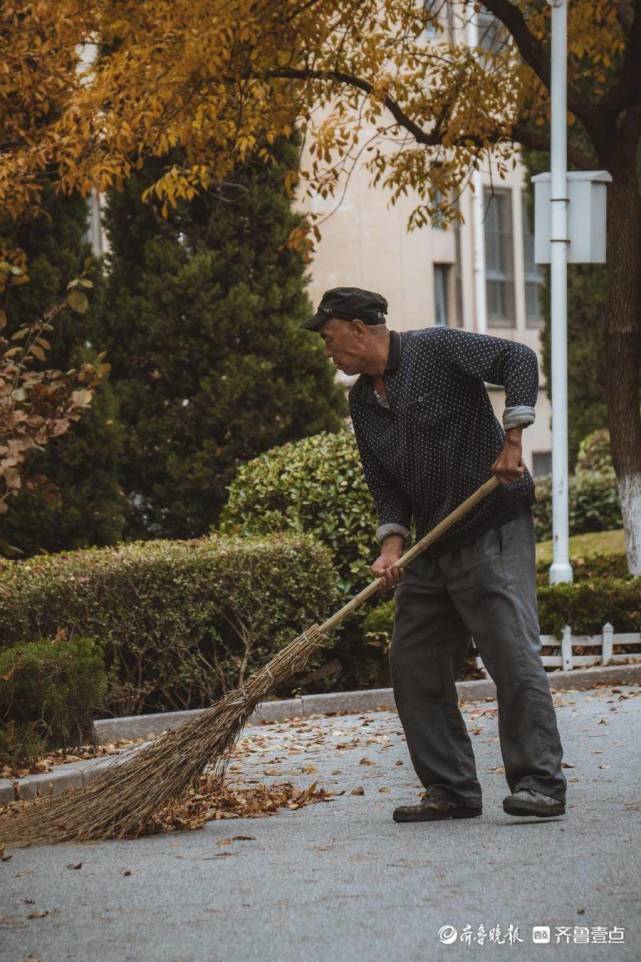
344	344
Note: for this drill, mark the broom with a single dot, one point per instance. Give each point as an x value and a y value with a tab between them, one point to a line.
123	798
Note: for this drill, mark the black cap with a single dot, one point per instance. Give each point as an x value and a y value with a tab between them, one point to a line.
349	303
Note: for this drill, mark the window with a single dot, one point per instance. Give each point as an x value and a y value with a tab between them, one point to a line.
493	36
533	275
441	299
499	271
432	9
541	463
437	221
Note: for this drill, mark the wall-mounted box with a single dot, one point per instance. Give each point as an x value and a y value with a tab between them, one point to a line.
586	216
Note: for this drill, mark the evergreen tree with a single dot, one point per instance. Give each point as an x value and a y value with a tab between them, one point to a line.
201	326
82	503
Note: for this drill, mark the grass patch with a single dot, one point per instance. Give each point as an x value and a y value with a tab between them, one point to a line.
582	545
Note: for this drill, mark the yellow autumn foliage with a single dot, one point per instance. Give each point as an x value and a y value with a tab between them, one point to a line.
88	88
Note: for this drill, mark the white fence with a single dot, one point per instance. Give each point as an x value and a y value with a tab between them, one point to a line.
566	659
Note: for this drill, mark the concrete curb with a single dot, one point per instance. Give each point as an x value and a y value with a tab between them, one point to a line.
61	779
136	726
78	774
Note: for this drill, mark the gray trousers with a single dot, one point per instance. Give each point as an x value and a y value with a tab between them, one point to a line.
485	590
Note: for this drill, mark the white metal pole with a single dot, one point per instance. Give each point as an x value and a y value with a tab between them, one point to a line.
560	570
478	231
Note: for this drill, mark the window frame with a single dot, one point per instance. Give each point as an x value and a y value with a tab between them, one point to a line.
504	274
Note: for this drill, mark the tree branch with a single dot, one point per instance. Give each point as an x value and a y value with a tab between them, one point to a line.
535	56
522	134
338	76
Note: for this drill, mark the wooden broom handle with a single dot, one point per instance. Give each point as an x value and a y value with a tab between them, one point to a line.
405	559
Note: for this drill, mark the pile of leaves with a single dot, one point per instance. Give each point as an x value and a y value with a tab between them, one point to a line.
212	799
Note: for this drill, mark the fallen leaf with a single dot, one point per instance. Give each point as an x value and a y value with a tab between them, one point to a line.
309	770
37	915
399	762
567	765
358	791
244	838
382	790
366	761
603	721
75	865
127	872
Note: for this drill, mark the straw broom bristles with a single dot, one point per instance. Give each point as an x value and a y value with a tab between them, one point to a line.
122	800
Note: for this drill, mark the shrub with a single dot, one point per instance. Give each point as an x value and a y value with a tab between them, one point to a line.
594	505
49	692
20	745
179	622
588	605
595	455
315	485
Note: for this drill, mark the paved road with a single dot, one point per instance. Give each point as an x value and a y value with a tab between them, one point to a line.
340	880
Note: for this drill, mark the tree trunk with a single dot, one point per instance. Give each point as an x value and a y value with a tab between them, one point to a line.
623	327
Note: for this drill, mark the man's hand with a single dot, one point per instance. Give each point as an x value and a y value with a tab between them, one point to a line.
509	466
385	564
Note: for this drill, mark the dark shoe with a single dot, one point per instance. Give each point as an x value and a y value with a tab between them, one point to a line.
528	802
431	807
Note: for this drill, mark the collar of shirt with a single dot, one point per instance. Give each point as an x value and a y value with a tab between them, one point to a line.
394	355
364	382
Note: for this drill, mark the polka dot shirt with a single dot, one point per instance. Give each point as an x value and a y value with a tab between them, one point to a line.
432	443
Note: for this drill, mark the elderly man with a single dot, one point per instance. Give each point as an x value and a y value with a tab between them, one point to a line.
428	438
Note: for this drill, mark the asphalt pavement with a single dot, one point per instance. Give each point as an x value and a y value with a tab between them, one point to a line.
340	880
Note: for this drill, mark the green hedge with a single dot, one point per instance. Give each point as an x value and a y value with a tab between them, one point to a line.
588	605
594	504
49	693
179	622
315	485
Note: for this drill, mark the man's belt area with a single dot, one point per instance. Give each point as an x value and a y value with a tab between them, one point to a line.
471	534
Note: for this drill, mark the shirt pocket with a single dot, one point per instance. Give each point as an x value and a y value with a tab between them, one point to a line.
428	410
